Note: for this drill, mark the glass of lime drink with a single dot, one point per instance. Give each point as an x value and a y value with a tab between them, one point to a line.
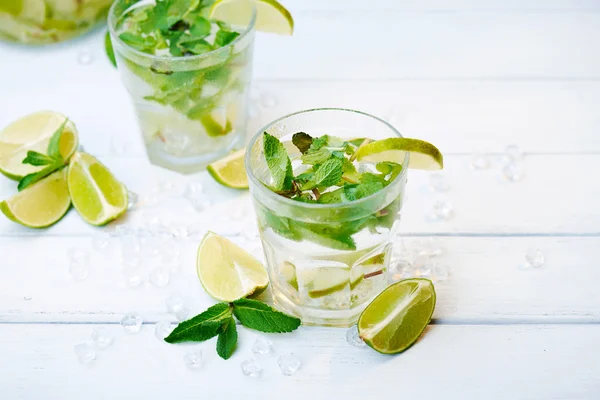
188	77
327	248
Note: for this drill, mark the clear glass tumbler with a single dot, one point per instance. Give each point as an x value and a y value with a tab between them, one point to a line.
322	280
191	110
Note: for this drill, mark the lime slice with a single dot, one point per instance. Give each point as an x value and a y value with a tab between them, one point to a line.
230	171
33	132
96	194
423	155
227	272
270	15
397	316
42	204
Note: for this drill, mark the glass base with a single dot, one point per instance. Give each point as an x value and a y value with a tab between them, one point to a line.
318	316
188	165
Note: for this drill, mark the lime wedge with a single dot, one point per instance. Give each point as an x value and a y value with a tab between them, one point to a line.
96	194
270	15
42	204
33	132
230	171
227	272
323	281
423	155
397	316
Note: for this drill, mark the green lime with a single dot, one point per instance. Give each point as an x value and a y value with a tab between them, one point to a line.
397	316
42	204
227	272
96	194
270	15
423	155
33	132
230	171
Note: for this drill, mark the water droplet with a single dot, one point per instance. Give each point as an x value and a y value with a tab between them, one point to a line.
132	323
100	241
353	338
512	172
289	364
133	281
163	329
268	100
513	153
132	199
441	272
200	204
440	211
85	353
159	277
101	338
78	270
193	359
479	162
438	182
262	346
251	368
84	57
534	258
27	298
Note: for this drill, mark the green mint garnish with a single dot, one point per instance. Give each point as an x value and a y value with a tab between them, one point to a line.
53	161
203	326
329	176
302	141
278	162
218	320
108	48
261	317
227	339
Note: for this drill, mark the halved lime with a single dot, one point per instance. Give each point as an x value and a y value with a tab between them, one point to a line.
230	171
42	204
270	15
96	194
33	132
227	272
423	155
397	316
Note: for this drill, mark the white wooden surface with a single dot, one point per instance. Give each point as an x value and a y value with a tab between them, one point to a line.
469	76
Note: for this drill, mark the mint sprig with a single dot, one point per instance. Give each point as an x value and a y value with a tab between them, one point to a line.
218	320
278	162
53	161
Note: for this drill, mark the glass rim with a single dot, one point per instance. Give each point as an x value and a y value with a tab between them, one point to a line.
260	186
112	23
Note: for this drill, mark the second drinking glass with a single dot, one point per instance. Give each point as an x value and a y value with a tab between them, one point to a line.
188	79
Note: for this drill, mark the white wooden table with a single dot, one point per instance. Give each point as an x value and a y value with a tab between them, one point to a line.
470	77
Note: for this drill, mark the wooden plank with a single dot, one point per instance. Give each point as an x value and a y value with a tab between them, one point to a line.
432	45
459	116
491	362
482	202
485	283
298	6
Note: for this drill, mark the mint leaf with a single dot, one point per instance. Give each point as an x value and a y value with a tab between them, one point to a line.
108	48
302	141
323	148
144	44
390	169
278	162
323	236
203	326
335	196
54	143
200	28
32	178
223	38
327	174
37	159
196	46
256	315
227	339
